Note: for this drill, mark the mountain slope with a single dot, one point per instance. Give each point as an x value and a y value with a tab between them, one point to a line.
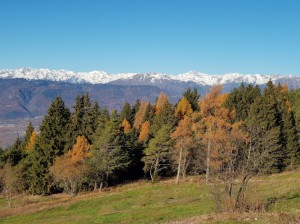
190	201
21	98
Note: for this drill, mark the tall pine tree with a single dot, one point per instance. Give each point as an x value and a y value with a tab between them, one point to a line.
50	144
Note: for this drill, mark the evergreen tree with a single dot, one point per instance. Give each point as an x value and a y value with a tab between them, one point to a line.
15	153
288	128
134	110
164	117
28	134
134	148
83	119
193	98
157	154
241	99
108	155
1	157
126	113
264	126
294	98
50	144
102	120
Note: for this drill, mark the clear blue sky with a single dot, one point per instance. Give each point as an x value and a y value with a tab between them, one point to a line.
169	36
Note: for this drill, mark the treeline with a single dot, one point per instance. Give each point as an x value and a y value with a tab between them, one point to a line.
225	136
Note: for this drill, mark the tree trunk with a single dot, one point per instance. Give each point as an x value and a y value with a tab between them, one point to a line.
241	190
73	188
155	169
184	167
249	151
208	160
179	165
152	178
101	186
9	199
95	185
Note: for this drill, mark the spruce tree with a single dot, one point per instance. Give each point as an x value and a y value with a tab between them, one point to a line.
241	99
15	153
288	128
193	98
28	133
126	113
157	154
50	144
108	154
165	117
264	125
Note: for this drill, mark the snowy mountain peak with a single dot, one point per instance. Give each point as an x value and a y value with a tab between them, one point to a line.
98	77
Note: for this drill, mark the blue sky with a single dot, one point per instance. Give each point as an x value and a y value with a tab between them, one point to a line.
169	36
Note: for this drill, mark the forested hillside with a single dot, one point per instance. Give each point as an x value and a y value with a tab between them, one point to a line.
228	137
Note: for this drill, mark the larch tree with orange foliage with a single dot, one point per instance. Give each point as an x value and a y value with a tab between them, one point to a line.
144	135
217	131
126	126
140	115
70	168
162	100
29	147
183	108
183	139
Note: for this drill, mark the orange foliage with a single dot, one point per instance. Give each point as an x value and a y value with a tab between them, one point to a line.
184	108
161	102
70	168
69	173
144	131
126	126
217	131
81	150
140	115
183	135
285	88
31	142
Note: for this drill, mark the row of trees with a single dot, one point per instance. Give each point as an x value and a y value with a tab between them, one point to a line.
240	134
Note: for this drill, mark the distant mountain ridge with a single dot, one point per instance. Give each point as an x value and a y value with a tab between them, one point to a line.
101	77
26	93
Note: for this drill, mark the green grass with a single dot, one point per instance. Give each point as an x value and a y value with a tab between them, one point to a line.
144	202
151	203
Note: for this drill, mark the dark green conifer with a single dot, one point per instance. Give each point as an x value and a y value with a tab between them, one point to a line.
127	113
193	98
14	154
50	144
108	154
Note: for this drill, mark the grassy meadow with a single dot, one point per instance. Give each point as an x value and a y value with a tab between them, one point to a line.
190	201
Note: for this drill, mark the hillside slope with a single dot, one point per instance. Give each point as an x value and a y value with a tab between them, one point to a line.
145	202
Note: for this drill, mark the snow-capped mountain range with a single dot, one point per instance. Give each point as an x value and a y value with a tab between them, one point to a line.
101	77
26	93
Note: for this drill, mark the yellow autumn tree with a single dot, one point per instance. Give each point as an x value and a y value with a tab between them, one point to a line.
217	131
80	151
183	138
183	108
144	131
70	168
31	142
140	115
162	100
285	88
126	126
